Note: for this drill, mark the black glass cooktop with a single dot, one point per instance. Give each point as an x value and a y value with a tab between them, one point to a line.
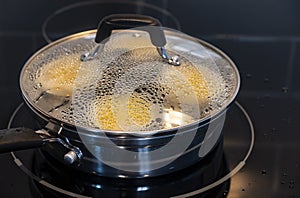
262	38
213	176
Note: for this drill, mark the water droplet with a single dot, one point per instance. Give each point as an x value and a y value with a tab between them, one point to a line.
284	89
282	182
291	186
264	172
137	35
262	106
284	174
248	75
225	193
158	120
292	181
266	80
243	189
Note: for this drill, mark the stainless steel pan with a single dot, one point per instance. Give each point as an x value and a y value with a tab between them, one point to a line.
131	99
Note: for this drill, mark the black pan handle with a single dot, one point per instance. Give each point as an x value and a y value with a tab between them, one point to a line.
127	21
18	139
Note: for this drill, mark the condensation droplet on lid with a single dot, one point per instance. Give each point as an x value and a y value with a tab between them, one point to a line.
292	181
291	186
284	174
284	89
243	190
248	75
282	182
137	35
263	172
225	193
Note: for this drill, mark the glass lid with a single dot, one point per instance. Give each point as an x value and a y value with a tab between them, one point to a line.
128	85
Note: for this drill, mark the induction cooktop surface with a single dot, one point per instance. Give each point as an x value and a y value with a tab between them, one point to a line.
261	37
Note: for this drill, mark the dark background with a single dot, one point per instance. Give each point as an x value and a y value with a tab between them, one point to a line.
261	36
